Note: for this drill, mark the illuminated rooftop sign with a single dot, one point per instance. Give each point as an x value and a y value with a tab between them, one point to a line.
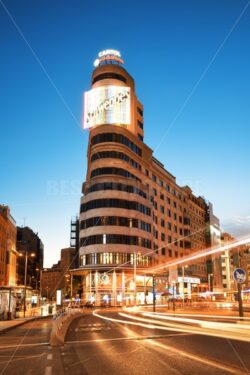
107	105
108	55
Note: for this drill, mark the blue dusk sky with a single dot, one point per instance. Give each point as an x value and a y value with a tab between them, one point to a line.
190	61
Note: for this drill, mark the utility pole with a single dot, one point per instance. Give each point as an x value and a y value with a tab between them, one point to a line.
25	281
241	314
154	296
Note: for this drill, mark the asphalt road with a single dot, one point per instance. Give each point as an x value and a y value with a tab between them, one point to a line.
25	349
99	346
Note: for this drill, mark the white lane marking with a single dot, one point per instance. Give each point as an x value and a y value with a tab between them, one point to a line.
48	370
49	356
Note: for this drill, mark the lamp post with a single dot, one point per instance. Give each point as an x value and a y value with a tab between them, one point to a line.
25	276
154	292
209	281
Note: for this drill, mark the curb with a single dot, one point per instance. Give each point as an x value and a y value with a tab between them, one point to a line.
60	328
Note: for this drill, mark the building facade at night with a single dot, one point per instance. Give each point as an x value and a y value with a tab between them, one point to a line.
29	242
133	214
8	253
58	276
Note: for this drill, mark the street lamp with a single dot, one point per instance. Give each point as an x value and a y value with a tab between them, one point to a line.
25	277
183	286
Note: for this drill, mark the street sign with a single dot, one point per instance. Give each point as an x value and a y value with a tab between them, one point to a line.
239	275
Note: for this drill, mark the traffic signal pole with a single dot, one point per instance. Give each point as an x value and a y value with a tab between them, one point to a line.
241	313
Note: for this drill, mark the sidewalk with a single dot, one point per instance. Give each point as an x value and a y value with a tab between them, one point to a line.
6	325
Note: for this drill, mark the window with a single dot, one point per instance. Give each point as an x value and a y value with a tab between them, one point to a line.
140	111
112	170
169	213
187	245
162	223
161	183
163	237
170	252
140	124
118	138
169	239
167	187
180	219
169	226
162	197
140	137
116	203
115	155
155	191
115	221
175	228
174	204
116	186
175	216
146	172
162	209
153	178
113	258
115	239
163	251
168	200
155	233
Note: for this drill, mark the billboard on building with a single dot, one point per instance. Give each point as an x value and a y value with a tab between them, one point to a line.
106	105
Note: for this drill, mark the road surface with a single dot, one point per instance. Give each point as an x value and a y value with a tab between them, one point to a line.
105	343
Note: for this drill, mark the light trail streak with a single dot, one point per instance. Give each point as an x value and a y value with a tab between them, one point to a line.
198	315
203	253
155	324
179	352
239	334
201	323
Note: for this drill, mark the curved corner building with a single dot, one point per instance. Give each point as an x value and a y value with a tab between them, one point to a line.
131	205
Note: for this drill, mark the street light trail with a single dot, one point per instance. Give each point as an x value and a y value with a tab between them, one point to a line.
197	315
203	253
154	342
201	323
238	334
